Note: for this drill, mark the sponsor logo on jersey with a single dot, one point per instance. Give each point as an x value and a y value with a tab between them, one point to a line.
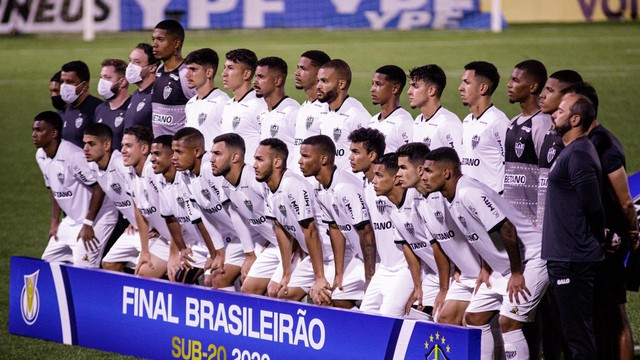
61	178
118	120
274	130
474	141
167	92
174	77
148	211
214	209
473	237
30	298
490	206
381	205
382	226
337	132
116	188
551	154
181	201
527	129
162	119
344	228
283	209
79	122
410	229
122	204
309	122
258	221
201	118
140	105
294	204
418	245
519	148
473	210
206	194
62	194
566	281
439	216
515	179
469	162
235	122
444	236
248	204
463	221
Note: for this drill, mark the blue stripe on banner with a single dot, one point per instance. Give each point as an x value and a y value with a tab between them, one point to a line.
393	339
72	313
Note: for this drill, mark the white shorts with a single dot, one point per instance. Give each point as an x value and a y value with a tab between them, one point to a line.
302	275
200	253
352	281
461	291
388	292
160	247
496	298
267	261
70	249
430	288
233	254
125	250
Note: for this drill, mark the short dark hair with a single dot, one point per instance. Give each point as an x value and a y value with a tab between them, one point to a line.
341	68
430	74
148	50
205	57
189	134
53	119
371	139
99	130
119	66
278	146
173	28
232	140
567	77
536	70
79	67
164	140
487	71
389	161
394	74
323	144
274	63
584	108
243	56
415	151
56	77
317	57
447	155
586	89
142	133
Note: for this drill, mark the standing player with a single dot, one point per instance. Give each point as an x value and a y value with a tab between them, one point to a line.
292	206
513	277
278	120
241	113
341	199
113	87
248	212
141	71
81	235
81	106
393	121
484	129
307	121
435	126
204	111
345	112
170	90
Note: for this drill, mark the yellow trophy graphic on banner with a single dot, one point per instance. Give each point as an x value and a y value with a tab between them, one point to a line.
30	298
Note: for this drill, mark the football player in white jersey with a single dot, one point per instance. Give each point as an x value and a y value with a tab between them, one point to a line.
241	113
81	235
108	169
204	111
393	121
435	126
248	212
194	165
513	277
292	205
278	120
307	121
341	199
484	129
345	113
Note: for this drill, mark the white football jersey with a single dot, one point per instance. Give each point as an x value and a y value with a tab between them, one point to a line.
281	123
243	118
388	241
114	181
343	203
442	129
146	194
339	124
478	210
206	115
68	176
397	128
307	124
482	155
294	202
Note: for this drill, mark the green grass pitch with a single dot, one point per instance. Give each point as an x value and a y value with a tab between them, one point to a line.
605	54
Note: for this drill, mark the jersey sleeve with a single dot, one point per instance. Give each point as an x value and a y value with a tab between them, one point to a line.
165	207
482	208
451	134
300	197
499	134
188	93
539	130
402	134
352	198
80	169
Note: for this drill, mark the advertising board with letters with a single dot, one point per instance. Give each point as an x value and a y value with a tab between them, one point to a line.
156	319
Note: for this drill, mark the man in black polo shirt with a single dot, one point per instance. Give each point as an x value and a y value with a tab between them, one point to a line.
573	230
141	71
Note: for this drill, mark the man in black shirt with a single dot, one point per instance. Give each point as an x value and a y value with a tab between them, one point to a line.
141	71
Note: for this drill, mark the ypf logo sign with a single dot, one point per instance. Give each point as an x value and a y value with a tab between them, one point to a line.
30	298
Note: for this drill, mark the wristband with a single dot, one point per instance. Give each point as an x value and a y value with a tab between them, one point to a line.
87	222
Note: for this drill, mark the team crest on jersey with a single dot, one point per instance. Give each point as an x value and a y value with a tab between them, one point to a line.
206	194
30	299
463	221
439	216
116	188
410	229
235	122
274	130
309	122
427	141
519	147
118	121
201	118
140	106
474	141
146	194
61	178
381	205
337	132
248	204
167	91
181	201
283	209
79	122
551	154
335	208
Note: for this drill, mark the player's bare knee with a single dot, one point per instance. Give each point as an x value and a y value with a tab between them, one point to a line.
475	319
508	324
111	266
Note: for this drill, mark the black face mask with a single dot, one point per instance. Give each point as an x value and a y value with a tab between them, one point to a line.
58	103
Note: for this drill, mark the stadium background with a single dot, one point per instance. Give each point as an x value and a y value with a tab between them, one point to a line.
605	53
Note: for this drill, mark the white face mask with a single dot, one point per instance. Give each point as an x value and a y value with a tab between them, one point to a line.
133	73
68	93
104	89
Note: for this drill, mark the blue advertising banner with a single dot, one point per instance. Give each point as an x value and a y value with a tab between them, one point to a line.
156	319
